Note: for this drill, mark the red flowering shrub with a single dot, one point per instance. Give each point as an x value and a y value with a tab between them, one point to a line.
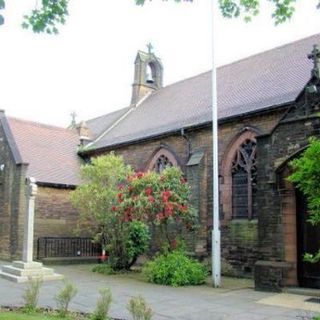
162	199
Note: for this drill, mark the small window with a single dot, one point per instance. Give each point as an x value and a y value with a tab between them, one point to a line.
161	160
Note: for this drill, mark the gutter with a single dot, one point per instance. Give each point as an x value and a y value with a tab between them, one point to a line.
56	185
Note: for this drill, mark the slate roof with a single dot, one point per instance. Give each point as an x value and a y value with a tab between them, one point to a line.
99	124
268	79
50	151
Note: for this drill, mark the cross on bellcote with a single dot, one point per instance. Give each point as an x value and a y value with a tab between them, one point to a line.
73	119
315	56
150	47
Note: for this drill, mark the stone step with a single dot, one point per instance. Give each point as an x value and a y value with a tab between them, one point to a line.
12	277
304	291
21	279
27	265
27	272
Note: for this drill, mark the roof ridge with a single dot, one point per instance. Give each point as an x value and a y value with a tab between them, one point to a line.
183	80
238	61
38	124
117	121
268	50
106	114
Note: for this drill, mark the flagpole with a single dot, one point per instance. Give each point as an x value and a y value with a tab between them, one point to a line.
216	243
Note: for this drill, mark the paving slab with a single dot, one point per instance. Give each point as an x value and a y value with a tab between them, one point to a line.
235	300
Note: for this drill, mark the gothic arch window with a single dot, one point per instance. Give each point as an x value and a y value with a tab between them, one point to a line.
161	160
239	175
244	179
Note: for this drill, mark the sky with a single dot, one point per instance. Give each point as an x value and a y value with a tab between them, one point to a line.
88	68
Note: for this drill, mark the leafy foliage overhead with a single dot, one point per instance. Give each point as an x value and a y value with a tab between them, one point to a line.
49	14
282	11
47	17
2	6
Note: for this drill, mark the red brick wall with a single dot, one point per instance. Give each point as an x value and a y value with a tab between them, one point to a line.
54	214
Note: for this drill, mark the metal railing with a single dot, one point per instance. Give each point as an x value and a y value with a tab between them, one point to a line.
59	247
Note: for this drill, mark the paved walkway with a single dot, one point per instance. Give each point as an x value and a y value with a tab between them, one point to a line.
236	300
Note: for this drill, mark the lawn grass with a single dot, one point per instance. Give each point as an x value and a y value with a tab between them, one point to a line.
38	315
24	316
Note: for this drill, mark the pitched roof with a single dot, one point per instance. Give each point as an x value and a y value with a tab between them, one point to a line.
271	78
50	151
100	124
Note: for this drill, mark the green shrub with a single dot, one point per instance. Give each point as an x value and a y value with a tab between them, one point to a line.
103	268
175	269
139	309
103	305
133	241
64	297
306	178
31	294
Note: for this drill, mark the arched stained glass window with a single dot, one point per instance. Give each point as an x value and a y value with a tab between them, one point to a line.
162	163
244	177
161	160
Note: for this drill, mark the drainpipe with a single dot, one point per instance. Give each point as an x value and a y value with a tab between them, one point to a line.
186	137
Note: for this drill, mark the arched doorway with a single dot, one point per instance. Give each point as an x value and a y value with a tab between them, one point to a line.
308	237
299	236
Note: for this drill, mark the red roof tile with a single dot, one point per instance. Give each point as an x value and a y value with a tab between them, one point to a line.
50	151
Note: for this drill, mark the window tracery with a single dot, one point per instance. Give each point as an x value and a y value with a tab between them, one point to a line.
162	163
244	179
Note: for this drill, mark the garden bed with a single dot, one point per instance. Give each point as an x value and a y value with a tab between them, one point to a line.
18	313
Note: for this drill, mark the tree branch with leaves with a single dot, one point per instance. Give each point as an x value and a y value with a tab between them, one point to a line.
306	177
51	13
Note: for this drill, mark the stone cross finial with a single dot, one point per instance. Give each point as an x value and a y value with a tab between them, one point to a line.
150	47
315	56
73	119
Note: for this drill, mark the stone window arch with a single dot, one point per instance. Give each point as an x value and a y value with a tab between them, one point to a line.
162	159
239	177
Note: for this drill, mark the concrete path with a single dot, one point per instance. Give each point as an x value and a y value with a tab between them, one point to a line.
236	300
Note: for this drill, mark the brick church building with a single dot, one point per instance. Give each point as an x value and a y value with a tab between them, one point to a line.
268	107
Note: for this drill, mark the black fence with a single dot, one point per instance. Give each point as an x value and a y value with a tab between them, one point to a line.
57	247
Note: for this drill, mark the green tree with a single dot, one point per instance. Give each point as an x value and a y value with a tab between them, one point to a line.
306	176
96	196
96	199
52	13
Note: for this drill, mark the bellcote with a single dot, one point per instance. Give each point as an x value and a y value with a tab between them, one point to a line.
148	74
